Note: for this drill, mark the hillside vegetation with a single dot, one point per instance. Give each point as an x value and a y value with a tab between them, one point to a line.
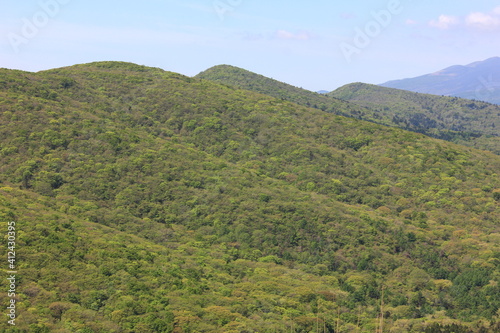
147	201
243	79
467	122
471	123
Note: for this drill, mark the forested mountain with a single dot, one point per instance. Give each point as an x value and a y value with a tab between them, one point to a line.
147	201
466	122
479	80
243	79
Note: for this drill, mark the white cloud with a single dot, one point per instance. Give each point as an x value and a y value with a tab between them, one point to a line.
284	34
444	22
484	21
474	20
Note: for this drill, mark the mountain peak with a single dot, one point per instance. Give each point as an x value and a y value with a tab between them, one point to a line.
479	80
225	67
489	61
111	66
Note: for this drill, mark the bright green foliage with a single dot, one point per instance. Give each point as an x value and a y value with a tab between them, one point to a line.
152	202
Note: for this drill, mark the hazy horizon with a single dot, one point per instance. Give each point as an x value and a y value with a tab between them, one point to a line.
319	46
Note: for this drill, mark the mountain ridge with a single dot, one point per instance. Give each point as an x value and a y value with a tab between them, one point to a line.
407	118
244	79
479	80
361	92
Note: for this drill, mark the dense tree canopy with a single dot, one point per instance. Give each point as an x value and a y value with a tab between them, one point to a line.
471	123
147	201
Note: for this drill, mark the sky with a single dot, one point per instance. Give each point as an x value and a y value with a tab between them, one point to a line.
316	45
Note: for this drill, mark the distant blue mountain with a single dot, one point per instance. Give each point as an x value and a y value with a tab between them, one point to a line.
479	80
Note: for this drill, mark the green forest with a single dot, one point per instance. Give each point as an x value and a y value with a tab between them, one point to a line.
470	123
148	201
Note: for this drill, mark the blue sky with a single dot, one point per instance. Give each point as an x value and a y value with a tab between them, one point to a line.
311	44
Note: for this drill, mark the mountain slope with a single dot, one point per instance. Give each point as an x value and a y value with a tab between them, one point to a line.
178	204
471	123
464	121
243	79
77	275
479	80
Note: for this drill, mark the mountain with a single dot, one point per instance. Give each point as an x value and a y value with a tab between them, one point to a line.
244	79
147	201
323	92
467	122
478	81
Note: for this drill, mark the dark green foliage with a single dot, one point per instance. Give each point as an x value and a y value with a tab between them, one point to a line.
453	328
467	122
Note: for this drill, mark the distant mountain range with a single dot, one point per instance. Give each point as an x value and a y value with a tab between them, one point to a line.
479	81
